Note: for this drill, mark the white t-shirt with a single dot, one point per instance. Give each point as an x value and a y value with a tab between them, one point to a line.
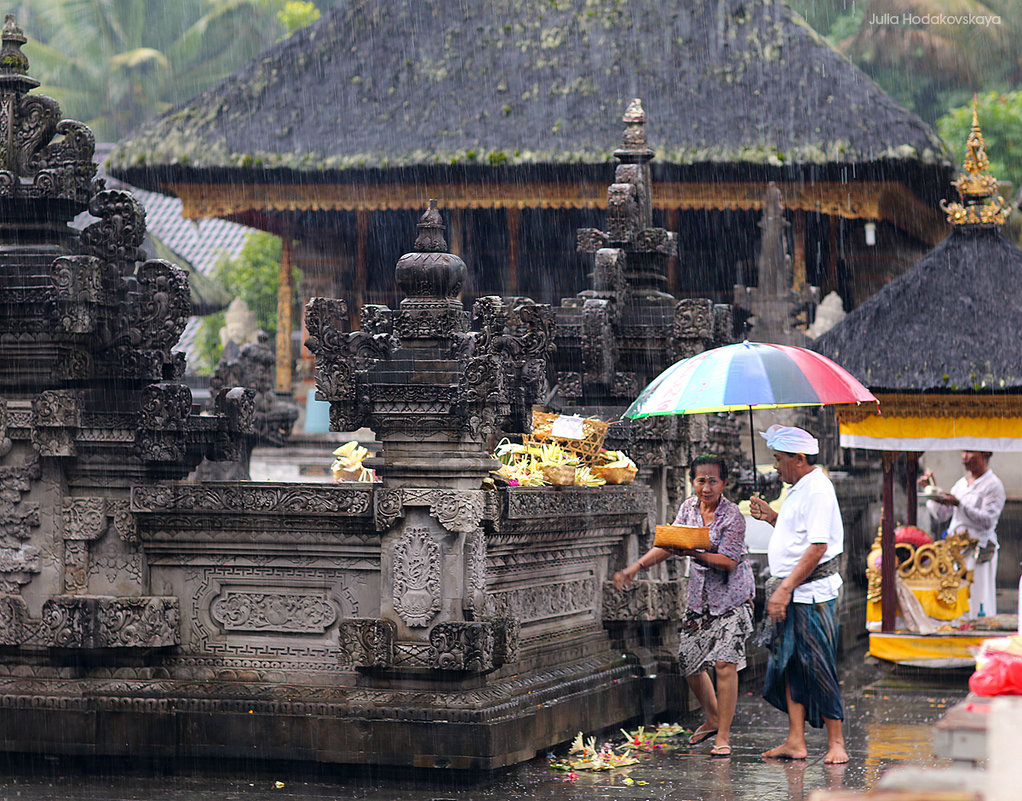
808	516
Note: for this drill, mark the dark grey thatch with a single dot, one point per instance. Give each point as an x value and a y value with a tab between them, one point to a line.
392	83
951	323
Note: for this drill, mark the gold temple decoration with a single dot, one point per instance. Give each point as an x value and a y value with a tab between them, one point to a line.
938	566
976	186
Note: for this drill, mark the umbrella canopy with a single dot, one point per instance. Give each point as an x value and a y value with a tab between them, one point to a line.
748	375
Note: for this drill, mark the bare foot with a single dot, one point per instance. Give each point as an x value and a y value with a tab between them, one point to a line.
787	750
836	754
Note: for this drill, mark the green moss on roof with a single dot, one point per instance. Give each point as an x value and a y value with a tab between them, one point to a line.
409	82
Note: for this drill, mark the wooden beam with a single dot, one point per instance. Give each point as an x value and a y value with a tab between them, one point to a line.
866	200
358	288
798	258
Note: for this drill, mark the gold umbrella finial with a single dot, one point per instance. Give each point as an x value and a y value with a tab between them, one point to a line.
975	185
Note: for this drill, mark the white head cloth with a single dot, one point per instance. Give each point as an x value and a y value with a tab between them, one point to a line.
789	439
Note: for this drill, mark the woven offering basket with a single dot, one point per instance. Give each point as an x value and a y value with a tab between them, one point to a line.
559	475
615	475
694	537
587	449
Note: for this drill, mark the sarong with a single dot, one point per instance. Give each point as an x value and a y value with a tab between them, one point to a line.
707	639
804	653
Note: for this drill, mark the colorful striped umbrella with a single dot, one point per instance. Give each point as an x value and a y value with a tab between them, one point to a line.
748	375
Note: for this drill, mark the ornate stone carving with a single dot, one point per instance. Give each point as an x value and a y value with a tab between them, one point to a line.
13	619
417	575
644	600
117	236
463	646
366	642
457	511
106	622
84	518
474	599
253	499
18	517
56	415
389	508
292	611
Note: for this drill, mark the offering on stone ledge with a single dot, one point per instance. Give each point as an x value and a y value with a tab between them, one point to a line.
615	467
347	464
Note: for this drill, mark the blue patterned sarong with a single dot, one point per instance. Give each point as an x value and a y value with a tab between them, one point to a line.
804	652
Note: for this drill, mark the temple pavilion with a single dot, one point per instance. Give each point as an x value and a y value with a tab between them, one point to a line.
507	112
939	348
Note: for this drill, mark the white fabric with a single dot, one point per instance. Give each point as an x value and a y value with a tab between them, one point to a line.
809	516
979	508
789	439
994	444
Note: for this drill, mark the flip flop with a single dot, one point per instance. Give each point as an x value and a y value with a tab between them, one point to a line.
720	751
701	736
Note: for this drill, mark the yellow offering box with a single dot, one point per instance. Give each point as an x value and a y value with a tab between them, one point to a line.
693	537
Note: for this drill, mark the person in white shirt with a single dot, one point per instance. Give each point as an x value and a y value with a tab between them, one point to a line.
802	596
974	503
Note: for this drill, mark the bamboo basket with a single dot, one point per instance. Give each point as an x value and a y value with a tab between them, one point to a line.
587	449
559	475
615	475
694	537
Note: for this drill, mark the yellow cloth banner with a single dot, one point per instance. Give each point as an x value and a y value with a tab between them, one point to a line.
917	647
894	433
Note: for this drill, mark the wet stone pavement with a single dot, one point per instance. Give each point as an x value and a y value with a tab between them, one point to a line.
889	719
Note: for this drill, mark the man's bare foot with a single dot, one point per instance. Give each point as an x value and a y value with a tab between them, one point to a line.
836	754
787	750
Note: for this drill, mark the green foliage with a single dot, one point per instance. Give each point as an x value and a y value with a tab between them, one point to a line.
298	14
1000	119
252	276
114	64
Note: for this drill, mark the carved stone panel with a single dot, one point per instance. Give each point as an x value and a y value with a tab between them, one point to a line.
417	576
105	622
366	642
257	610
644	600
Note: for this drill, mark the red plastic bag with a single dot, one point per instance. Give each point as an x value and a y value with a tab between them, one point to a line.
998	672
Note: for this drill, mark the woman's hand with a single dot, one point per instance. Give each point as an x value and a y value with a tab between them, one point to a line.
625	577
761	510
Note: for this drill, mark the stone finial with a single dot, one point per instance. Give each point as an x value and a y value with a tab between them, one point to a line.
431	231
975	185
11	57
634	147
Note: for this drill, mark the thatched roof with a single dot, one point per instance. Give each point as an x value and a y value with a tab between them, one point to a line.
408	83
951	323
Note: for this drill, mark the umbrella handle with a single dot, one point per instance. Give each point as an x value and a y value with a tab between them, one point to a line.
752	444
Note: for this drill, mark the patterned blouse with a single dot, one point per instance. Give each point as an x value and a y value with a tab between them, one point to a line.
711	589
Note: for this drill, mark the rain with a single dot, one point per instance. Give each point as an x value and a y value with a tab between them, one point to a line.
447	400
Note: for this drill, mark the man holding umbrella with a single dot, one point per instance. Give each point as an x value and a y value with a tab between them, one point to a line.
801	595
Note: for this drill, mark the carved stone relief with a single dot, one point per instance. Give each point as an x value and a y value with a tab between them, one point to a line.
417	577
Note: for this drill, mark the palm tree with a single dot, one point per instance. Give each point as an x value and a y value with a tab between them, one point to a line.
114	63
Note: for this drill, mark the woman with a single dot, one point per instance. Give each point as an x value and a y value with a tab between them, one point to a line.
720	590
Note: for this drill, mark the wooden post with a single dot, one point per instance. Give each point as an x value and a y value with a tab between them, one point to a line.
358	288
911	486
285	302
798	259
832	280
888	598
514	229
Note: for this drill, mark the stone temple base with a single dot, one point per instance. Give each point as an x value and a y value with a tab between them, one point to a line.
493	726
